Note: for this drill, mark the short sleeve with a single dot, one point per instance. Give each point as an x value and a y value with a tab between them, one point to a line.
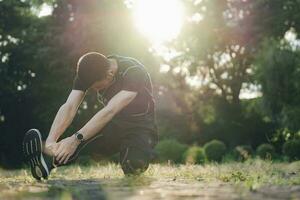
134	79
78	84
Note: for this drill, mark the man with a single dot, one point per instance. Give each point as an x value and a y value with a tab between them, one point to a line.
126	123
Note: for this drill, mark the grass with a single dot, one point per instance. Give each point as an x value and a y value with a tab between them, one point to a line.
104	181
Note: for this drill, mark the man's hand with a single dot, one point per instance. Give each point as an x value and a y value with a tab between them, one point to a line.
66	149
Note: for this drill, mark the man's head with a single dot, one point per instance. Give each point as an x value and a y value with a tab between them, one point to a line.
94	69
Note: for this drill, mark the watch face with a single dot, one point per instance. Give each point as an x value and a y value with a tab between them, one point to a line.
79	136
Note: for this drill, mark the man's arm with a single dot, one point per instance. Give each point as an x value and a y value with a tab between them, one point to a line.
94	125
115	105
64	116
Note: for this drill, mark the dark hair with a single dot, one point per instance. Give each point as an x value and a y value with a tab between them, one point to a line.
92	67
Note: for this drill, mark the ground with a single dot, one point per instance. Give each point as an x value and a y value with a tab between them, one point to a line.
253	179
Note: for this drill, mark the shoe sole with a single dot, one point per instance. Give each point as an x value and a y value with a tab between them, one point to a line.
32	148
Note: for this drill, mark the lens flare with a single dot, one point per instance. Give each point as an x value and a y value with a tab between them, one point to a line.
159	20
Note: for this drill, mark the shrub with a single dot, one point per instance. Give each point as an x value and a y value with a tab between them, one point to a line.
170	149
265	151
194	155
242	152
229	157
291	149
214	150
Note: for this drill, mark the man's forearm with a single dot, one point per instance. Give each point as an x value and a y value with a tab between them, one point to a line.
96	123
115	105
61	121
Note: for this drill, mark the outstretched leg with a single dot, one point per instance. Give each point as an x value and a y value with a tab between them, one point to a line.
41	163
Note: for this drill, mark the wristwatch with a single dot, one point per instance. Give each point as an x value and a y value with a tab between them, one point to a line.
79	137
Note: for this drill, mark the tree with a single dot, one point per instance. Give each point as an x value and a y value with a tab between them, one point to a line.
218	46
278	71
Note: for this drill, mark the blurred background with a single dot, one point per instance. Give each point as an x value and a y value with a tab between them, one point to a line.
225	73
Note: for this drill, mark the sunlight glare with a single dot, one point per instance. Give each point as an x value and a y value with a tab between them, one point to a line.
159	20
45	10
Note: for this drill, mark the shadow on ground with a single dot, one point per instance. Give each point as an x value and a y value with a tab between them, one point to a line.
101	189
138	188
97	189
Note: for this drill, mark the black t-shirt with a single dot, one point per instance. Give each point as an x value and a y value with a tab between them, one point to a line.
131	76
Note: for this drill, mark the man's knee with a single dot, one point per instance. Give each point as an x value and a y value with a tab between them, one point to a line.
134	161
134	166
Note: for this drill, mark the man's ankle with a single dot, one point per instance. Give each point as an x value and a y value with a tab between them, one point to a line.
47	151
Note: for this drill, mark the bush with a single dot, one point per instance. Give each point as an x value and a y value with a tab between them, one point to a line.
170	149
242	152
291	149
214	150
194	155
229	157
265	151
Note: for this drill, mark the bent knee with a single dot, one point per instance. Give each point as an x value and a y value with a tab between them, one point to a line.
134	166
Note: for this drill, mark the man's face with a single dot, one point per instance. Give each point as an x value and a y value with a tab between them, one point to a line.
98	85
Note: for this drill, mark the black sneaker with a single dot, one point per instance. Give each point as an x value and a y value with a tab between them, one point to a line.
39	162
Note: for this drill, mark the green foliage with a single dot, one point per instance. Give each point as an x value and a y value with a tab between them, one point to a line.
229	157
291	148
283	135
265	151
238	126
194	155
172	125
214	150
278	72
242	152
170	150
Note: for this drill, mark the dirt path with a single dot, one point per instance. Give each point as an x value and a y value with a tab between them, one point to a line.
140	188
255	180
